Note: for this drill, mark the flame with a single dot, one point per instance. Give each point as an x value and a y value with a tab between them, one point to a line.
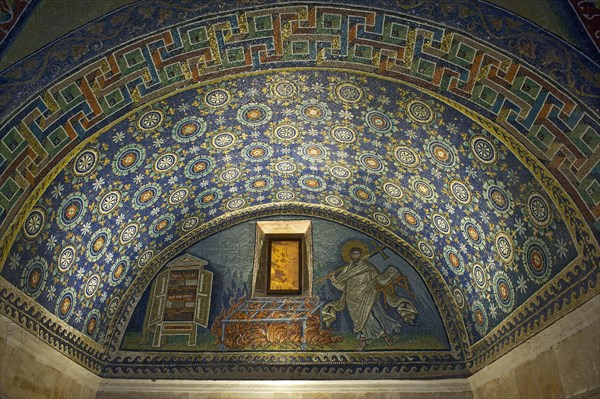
257	334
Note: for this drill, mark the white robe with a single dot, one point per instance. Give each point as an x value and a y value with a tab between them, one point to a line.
357	282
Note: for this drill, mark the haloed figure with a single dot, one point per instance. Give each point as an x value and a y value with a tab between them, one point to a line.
357	281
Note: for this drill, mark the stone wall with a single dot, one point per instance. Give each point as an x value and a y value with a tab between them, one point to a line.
31	369
382	389
563	361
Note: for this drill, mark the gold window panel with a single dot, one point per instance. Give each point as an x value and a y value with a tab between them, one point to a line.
283	259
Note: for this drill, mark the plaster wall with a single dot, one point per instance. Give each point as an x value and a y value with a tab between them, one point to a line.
31	369
382	389
562	361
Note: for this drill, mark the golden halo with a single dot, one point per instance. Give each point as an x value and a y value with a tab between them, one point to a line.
354	244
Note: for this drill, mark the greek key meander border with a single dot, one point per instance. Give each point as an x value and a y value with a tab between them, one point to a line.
209	11
396	13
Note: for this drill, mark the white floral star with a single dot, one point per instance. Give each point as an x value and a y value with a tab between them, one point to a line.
521	284
98	183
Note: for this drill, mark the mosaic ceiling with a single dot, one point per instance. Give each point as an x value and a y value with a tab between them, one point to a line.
476	166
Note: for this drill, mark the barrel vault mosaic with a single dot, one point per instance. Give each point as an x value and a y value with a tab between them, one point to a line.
458	176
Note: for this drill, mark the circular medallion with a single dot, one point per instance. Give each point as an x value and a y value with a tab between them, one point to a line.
189	129
259	183
497	197
178	196
128	233
480	318
286	132
283	89
146	195
406	156
441	223
538	262
426	249
424	189
109	202
343	134
372	163
165	162
71	211
150	120
145	258
340	172
442	154
86	162
460	191
473	233
257	152
419	111
35	222
459	298
217	98
484	150
34	275
91	286
504	247
313	112
285	167
454	260
223	141
66	303
393	190
503	291
479	277
313	152
118	270
312	183
285	196
91	323
381	218
362	194
410	219
230	175
235	203
538	210
209	198
128	159
199	167
111	308
254	114
190	223
349	93
98	244
161	225
334	201
67	258
378	121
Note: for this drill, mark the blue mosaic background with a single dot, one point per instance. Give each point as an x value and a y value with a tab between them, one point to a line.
377	149
230	255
